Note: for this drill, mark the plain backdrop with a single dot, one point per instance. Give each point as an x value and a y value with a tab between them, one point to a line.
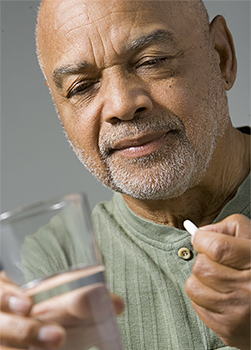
36	160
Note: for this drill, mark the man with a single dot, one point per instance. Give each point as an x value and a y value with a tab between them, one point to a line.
140	90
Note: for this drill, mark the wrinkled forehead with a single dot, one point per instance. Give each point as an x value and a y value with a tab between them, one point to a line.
110	18
68	26
60	13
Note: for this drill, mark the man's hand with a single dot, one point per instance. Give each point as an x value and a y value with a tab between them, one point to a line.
84	313
18	330
220	288
55	323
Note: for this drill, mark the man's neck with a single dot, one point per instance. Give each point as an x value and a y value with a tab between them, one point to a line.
228	168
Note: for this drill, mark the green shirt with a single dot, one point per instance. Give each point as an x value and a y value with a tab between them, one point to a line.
144	268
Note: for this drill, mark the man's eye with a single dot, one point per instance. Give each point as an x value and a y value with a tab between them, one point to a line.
80	88
153	62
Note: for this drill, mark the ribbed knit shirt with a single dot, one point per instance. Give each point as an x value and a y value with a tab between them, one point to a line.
143	267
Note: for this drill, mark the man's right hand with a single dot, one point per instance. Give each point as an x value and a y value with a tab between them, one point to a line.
18	328
59	322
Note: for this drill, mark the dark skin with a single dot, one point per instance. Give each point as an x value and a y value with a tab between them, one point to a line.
202	202
220	286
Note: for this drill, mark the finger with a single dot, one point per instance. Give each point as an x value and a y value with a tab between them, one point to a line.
4	277
235	225
226	250
82	305
215	301
203	295
219	277
118	303
13	300
24	332
210	318
232	331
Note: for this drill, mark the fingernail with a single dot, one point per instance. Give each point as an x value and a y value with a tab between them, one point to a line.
19	305
50	334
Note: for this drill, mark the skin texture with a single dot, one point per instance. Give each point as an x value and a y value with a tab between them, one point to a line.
220	286
113	113
151	122
117	117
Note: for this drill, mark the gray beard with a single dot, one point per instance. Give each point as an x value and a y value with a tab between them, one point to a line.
161	175
166	173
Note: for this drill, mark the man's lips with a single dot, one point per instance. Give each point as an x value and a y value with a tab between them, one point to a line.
140	146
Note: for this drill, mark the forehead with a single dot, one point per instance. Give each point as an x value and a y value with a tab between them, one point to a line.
97	27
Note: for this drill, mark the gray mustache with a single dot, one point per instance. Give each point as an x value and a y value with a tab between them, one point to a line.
133	129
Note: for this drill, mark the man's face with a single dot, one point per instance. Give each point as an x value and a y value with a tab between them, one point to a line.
138	91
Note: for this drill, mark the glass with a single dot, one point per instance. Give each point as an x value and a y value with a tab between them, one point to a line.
49	250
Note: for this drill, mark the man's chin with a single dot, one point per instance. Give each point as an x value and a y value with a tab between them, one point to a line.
159	176
149	188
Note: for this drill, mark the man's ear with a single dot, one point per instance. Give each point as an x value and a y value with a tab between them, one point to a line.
223	44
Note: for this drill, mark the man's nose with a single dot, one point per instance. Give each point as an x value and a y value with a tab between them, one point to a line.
125	98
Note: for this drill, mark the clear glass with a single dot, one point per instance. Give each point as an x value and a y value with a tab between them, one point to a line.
49	250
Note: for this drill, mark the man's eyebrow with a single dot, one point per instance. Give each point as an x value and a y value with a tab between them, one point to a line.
157	36
59	73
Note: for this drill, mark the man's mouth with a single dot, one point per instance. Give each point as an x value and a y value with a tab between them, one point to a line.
140	146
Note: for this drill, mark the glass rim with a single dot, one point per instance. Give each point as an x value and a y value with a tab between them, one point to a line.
49	204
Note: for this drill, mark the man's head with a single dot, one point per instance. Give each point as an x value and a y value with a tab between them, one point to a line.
139	87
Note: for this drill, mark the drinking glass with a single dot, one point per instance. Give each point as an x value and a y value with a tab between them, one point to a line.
49	251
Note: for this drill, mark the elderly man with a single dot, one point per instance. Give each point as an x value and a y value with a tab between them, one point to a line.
140	88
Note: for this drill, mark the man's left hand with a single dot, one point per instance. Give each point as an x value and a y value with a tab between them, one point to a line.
220	288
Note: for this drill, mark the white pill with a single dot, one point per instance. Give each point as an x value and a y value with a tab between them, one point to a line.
190	227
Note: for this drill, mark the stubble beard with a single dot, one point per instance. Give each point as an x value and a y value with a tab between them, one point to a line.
160	175
166	173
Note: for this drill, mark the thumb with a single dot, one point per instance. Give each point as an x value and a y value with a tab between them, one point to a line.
236	225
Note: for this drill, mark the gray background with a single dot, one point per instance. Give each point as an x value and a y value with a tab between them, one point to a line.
36	160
